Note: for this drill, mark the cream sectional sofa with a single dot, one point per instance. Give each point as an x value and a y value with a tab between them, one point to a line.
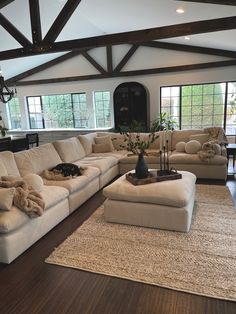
18	232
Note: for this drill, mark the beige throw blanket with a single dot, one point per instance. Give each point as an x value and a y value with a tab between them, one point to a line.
216	134
26	199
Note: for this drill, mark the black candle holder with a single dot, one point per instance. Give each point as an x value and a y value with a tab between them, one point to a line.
165	172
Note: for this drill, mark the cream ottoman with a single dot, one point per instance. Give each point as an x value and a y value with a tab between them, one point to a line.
165	205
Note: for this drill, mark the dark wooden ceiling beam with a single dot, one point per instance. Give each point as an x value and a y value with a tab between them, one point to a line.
61	20
179	68
14	32
42	67
109	58
224	2
131	37
35	21
171	31
93	62
4	3
126	58
189	48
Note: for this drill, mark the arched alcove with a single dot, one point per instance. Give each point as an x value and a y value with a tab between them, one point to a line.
131	103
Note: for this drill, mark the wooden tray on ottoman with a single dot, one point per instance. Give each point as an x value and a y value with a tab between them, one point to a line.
153	176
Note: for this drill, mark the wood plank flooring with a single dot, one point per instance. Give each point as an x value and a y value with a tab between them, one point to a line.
29	285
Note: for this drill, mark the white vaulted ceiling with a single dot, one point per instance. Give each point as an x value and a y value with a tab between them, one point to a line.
100	17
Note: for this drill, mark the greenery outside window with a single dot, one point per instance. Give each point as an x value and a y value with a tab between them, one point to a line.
201	105
14	113
58	111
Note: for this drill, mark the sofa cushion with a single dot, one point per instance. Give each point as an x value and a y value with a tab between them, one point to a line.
102	163
78	183
13	219
182	136
152	158
37	159
70	149
184	158
192	147
102	148
10	164
115	153
6	198
3	169
202	138
52	195
87	140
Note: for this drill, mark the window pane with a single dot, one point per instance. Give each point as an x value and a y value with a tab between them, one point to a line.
231	109
102	109
202	105
80	110
14	113
35	112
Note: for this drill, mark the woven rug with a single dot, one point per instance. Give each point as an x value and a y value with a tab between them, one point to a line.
202	261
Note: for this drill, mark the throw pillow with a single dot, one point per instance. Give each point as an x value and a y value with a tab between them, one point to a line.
102	148
34	181
180	147
104	140
192	147
202	138
6	198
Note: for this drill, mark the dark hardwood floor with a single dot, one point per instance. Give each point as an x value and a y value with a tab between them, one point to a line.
29	285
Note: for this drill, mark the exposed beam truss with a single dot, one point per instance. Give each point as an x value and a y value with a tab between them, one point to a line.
131	37
179	68
11	29
93	62
109	59
189	48
126	58
224	2
3	3
61	21
42	67
35	22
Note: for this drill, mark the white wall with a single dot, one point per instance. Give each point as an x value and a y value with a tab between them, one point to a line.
142	59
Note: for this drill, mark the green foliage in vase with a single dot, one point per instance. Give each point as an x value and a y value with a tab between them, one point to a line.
134	142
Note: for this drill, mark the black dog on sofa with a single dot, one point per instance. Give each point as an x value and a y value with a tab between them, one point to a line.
67	169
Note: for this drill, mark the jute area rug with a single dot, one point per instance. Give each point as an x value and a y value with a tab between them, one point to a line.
202	261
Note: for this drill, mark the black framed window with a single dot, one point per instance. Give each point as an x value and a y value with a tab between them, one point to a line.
58	111
201	105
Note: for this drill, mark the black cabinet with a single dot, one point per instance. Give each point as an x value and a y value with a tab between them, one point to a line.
131	103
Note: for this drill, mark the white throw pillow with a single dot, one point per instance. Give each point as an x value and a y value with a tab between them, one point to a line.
192	147
35	181
180	147
6	198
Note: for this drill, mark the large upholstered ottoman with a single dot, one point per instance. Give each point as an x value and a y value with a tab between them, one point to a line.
165	205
